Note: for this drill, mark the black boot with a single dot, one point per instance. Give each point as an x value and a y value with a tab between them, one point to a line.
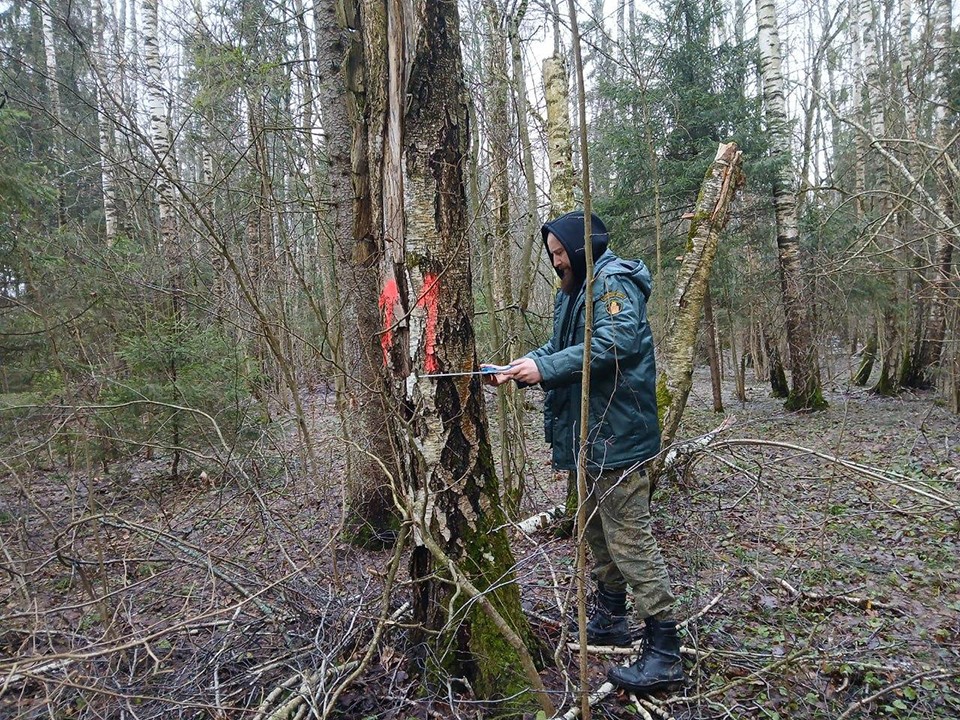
608	623
659	667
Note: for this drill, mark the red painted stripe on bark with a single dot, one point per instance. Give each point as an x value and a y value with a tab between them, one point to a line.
387	302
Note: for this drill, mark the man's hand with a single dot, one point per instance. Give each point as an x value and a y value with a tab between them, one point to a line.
523	370
493	379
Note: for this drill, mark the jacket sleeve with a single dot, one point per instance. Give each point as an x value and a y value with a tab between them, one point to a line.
542	351
619	312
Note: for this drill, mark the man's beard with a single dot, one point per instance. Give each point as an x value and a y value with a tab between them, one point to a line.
568	283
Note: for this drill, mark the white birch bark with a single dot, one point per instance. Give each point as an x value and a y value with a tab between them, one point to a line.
906	67
56	111
132	55
856	100
448	486
160	134
805	392
873	95
105	123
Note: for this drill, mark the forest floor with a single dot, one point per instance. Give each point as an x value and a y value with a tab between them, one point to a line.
814	555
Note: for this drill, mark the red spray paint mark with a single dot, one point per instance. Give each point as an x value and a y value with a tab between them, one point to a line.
387	303
430	298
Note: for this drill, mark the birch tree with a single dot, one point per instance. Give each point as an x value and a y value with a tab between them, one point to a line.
160	134
805	392
722	180
466	604
881	204
105	124
56	107
161	148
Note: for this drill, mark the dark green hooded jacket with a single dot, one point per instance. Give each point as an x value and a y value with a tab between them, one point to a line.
624	429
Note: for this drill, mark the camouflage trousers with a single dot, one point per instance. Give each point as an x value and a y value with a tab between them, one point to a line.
619	535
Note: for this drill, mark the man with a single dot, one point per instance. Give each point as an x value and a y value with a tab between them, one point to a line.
623	433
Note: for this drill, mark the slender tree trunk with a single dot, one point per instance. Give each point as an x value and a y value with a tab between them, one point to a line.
710	330
739	368
165	180
56	110
258	248
105	124
778	376
499	136
867	358
531	224
560	157
581	558
856	99
882	204
806	393
887	384
501	268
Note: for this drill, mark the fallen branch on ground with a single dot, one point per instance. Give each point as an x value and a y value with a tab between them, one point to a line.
574	711
872	473
862	603
538	522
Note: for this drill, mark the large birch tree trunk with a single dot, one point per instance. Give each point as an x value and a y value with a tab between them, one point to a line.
466	603
805	393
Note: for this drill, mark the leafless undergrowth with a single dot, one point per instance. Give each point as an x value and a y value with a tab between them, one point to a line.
815	570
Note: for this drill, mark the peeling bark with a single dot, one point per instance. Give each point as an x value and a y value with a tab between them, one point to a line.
447	483
710	216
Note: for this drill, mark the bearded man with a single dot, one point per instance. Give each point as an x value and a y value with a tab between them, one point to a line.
623	434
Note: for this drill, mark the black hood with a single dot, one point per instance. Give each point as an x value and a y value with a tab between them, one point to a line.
569	231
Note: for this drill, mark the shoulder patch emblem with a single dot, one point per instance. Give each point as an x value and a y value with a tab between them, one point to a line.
613	299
